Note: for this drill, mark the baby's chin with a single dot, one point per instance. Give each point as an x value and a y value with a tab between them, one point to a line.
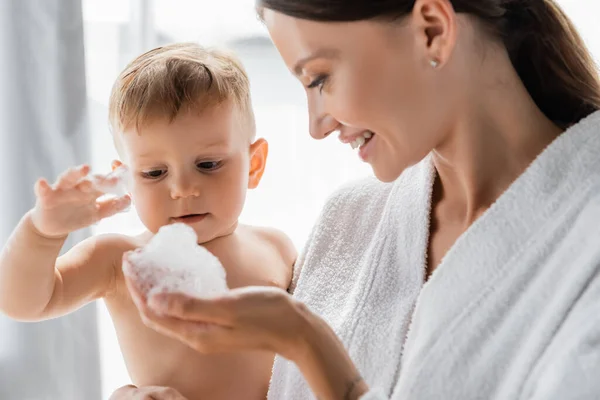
224	231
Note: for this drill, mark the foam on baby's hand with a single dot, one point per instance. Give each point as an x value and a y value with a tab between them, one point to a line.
172	261
120	187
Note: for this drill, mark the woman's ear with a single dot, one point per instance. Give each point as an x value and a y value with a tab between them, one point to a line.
259	150
436	20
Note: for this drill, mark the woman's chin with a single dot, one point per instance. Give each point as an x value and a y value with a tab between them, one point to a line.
386	174
389	170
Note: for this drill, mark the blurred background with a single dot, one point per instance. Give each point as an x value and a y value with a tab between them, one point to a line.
59	60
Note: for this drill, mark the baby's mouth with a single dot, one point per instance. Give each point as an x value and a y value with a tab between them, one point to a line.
190	218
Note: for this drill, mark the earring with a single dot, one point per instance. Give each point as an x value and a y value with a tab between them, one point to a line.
434	63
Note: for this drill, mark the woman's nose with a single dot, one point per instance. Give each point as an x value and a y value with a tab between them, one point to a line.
321	123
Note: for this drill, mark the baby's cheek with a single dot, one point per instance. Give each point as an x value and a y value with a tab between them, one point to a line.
150	209
228	201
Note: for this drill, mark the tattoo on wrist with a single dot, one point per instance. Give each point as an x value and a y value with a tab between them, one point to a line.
351	386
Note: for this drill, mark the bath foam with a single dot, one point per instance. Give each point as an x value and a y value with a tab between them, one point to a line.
173	262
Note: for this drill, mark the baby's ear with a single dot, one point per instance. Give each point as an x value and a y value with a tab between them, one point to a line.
116	164
259	150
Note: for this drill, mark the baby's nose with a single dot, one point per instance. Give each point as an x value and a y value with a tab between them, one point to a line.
183	188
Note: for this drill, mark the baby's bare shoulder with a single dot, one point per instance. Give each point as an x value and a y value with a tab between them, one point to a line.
271	239
281	242
276	244
113	243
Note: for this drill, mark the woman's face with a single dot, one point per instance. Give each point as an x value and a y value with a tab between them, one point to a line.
371	80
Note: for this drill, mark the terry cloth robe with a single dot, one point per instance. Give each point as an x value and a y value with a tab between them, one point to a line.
512	311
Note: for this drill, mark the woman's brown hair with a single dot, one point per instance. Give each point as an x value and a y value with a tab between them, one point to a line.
544	46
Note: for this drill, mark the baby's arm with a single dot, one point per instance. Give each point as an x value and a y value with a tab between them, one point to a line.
34	284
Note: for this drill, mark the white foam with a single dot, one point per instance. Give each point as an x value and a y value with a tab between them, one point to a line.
172	261
120	188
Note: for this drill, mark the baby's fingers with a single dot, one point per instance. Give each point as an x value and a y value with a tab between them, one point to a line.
42	188
88	189
105	184
110	207
71	177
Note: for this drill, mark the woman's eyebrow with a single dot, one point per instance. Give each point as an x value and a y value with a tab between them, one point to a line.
321	53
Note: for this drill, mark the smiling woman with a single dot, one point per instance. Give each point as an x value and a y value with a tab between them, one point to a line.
293	190
471	267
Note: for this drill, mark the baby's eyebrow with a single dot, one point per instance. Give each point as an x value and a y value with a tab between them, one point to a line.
146	155
210	145
214	149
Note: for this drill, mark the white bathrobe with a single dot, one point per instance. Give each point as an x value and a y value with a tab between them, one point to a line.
512	312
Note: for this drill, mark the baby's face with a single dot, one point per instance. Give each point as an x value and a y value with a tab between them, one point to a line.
193	170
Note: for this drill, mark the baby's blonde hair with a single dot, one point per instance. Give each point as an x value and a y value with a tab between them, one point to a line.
178	77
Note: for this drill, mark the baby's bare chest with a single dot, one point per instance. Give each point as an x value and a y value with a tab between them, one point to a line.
253	266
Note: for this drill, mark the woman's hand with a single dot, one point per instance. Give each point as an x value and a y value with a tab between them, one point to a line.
130	392
257	318
250	318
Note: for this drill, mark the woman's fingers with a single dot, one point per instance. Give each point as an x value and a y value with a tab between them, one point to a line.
149	317
136	294
195	322
251	318
217	310
202	337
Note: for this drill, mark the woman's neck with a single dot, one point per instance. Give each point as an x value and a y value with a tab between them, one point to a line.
487	148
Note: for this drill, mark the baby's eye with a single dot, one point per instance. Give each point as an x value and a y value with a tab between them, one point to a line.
153	174
209	165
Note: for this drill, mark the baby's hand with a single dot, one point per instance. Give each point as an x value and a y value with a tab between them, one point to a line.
72	203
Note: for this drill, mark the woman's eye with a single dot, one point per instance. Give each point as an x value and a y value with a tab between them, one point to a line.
209	165
154	174
319	82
